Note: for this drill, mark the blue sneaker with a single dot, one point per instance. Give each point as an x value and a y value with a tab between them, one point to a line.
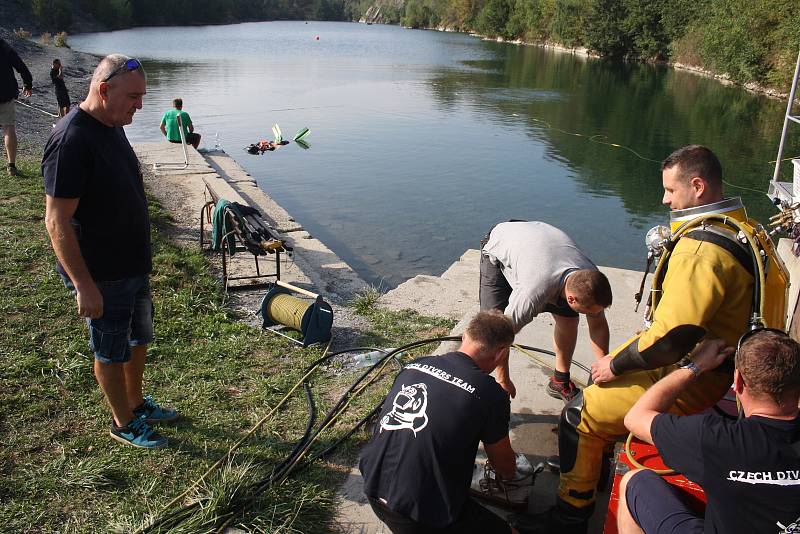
152	412
139	434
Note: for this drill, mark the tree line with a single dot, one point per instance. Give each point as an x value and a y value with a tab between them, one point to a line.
58	15
749	40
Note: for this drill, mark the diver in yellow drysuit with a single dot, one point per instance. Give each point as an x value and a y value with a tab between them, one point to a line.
707	290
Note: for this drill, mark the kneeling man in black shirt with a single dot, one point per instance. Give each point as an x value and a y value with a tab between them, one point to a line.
417	468
749	468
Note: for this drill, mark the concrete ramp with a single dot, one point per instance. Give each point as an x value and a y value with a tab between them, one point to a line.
453	294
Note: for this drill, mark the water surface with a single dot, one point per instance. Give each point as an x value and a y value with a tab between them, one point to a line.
422	140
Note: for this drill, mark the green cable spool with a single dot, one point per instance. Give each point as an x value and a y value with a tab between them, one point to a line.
313	319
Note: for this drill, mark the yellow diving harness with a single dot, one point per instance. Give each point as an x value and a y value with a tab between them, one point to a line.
726	224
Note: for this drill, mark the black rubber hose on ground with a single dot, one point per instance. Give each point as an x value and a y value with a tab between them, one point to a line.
579	365
332	414
289	466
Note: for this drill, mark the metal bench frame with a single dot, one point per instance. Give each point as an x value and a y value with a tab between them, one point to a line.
206	213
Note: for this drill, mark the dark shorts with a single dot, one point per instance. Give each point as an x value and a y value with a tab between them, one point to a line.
127	319
495	290
63	99
474	519
659	508
191	138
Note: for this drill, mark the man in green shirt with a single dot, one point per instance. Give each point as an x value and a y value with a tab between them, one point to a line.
169	125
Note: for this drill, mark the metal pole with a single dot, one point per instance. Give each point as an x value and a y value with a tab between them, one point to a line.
786	120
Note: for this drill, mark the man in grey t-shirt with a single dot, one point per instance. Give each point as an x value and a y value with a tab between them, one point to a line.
528	268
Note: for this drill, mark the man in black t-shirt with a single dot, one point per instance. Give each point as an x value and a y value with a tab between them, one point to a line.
418	466
96	215
748	468
9	91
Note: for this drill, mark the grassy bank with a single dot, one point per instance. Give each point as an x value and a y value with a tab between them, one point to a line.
60	471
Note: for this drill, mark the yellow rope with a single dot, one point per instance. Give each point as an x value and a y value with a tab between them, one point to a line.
544	362
602	139
662	472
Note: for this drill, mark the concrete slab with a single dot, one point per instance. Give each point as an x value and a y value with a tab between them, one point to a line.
247	187
534	414
453	294
171	153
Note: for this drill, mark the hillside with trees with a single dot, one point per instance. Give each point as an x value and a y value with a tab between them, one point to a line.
746	40
749	40
60	15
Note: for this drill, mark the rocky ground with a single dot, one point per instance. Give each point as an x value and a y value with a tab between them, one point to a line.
34	125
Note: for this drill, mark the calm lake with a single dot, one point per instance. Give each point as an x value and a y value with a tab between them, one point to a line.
421	140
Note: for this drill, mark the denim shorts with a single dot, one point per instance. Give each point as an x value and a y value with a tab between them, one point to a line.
127	319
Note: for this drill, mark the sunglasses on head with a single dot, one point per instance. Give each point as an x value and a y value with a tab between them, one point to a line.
129	65
750	333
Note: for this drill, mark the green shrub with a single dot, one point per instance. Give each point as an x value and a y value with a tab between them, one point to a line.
568	24
419	14
493	18
60	40
605	31
22	33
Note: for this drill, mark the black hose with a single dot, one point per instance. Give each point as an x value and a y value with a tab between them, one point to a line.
288	465
263	484
579	365
312	418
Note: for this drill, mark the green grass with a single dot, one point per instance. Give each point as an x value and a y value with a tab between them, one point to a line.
60	471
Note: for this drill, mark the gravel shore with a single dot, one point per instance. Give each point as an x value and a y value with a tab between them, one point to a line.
34	126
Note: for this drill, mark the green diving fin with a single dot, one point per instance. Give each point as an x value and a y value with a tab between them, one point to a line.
277	131
301	134
303	144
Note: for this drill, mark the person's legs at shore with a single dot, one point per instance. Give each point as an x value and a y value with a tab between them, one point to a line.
193	139
141	335
650	505
7	123
119	366
493	294
134	376
126	426
111	378
565	337
63	104
10	140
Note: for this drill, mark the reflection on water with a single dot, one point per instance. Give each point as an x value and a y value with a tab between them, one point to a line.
422	140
